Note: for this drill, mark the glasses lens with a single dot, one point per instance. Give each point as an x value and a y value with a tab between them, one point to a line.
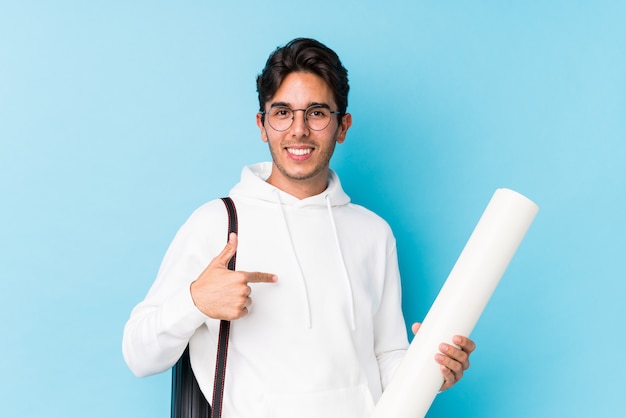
317	117
280	118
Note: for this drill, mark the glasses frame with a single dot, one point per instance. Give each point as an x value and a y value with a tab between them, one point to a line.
305	110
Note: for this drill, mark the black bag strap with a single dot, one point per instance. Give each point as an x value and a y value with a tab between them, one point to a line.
188	401
222	344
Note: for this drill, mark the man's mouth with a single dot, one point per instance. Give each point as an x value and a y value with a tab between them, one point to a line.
299	151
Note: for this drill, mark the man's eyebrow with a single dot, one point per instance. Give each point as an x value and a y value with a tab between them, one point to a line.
280	104
325	105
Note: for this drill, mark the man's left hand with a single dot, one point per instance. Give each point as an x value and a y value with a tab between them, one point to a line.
452	361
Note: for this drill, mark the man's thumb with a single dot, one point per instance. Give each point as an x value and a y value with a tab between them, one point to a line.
229	250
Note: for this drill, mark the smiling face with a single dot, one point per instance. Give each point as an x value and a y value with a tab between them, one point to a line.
301	156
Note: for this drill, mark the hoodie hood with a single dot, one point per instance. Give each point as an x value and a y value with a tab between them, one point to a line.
253	185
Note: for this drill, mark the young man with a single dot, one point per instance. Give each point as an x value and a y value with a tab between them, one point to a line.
326	331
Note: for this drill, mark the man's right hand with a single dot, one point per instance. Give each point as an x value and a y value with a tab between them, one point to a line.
221	293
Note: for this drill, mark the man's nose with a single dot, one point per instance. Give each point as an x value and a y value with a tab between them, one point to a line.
299	126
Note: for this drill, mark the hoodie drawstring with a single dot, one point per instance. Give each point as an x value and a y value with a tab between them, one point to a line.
293	249
343	264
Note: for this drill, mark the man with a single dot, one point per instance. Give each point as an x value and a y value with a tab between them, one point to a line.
326	331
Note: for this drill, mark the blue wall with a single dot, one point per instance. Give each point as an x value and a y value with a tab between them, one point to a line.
117	120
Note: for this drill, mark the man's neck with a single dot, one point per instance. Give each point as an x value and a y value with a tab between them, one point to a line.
300	189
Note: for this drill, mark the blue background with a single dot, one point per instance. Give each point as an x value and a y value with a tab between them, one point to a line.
117	119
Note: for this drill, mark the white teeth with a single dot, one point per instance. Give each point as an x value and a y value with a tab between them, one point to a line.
299	151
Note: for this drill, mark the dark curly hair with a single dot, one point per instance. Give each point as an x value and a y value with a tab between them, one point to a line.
305	55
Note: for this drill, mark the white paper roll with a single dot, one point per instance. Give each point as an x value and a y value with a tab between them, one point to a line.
459	304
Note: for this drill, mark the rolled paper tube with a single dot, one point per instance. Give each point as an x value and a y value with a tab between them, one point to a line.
459	304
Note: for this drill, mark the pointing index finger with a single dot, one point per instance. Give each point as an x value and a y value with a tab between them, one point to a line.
258	277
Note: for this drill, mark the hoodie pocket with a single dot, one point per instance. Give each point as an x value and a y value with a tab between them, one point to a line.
352	402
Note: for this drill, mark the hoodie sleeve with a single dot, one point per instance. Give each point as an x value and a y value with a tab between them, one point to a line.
390	335
160	326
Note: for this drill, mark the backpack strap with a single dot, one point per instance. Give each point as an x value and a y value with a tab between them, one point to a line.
188	401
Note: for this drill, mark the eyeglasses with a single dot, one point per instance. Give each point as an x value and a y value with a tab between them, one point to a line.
317	117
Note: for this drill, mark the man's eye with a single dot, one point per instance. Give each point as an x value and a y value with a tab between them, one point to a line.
282	113
317	114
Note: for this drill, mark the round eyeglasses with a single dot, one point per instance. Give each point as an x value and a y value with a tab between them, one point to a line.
317	117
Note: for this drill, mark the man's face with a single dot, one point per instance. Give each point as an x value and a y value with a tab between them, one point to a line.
301	155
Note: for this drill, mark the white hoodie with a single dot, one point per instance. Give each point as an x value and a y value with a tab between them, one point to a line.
323	341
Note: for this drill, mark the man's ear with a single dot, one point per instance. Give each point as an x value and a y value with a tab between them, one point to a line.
259	122
346	123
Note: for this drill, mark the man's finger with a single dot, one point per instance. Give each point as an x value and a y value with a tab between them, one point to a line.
465	343
258	277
